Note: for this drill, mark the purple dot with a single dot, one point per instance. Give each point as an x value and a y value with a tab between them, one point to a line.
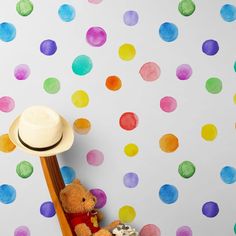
210	47
48	47
22	231
95	157
168	104
210	209
7	104
22	72
183	72
101	197
47	209
130	18
150	230
130	180
96	36
184	231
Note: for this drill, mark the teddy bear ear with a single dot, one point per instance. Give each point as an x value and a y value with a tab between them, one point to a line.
76	181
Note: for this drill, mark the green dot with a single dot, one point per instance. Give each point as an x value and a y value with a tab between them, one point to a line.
214	85
186	169
186	7
24	7
82	65
24	169
234	228
235	66
51	85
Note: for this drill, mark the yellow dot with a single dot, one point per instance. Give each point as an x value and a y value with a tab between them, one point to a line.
209	132
127	214
82	126
80	98
234	98
6	144
127	52
131	149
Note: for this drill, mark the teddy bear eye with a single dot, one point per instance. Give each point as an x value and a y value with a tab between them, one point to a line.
83	199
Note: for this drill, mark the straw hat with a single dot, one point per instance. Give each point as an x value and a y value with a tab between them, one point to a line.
41	131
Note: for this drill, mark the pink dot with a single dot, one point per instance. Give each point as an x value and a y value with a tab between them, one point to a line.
128	121
96	36
7	104
22	72
95	157
22	231
95	1
150	230
168	104
150	71
184	231
184	72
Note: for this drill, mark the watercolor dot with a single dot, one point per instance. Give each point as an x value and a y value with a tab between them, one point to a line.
48	47
214	85
150	71
130	180
47	209
235	66
82	65
24	7
127	214
7	104
127	52
169	143
186	7
128	121
186	169
209	132
184	72
168	104
80	99
131	150
66	12
235	228
100	196
228	12
6	145
7	194
51	85
22	72
210	47
168	193
228	175
95	1
234	98
22	231
82	126
96	36
184	231
130	18
24	169
150	230
168	32
113	83
7	32
68	174
95	157
210	209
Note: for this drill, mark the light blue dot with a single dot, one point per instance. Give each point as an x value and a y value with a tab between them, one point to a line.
228	12
7	32
7	194
66	12
168	31
168	194
228	174
68	174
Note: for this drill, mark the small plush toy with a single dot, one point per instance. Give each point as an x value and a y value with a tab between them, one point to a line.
79	203
124	230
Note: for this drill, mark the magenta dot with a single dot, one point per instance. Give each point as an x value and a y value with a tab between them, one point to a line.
101	197
184	72
22	231
96	36
184	231
95	157
22	72
150	71
168	104
150	230
7	104
95	1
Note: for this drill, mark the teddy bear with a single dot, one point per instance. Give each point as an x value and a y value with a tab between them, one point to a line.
79	204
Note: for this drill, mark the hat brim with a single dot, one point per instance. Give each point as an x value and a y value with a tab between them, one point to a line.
64	145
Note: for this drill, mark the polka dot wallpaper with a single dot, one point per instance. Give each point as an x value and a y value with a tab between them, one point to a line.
149	88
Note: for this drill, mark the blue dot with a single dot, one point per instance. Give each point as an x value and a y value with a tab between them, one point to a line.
66	12
228	12
131	180
210	209
48	47
168	31
47	209
7	194
168	194
7	32
68	174
210	47
228	174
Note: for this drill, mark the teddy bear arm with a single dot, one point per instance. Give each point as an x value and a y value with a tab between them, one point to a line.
99	216
82	230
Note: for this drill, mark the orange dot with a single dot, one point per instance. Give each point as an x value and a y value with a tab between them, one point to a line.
168	143
6	144
82	126
113	83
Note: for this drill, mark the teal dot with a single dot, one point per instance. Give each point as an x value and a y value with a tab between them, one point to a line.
7	194
234	228
235	66
82	65
68	174
7	32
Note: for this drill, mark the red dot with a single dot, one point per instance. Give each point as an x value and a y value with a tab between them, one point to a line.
128	121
